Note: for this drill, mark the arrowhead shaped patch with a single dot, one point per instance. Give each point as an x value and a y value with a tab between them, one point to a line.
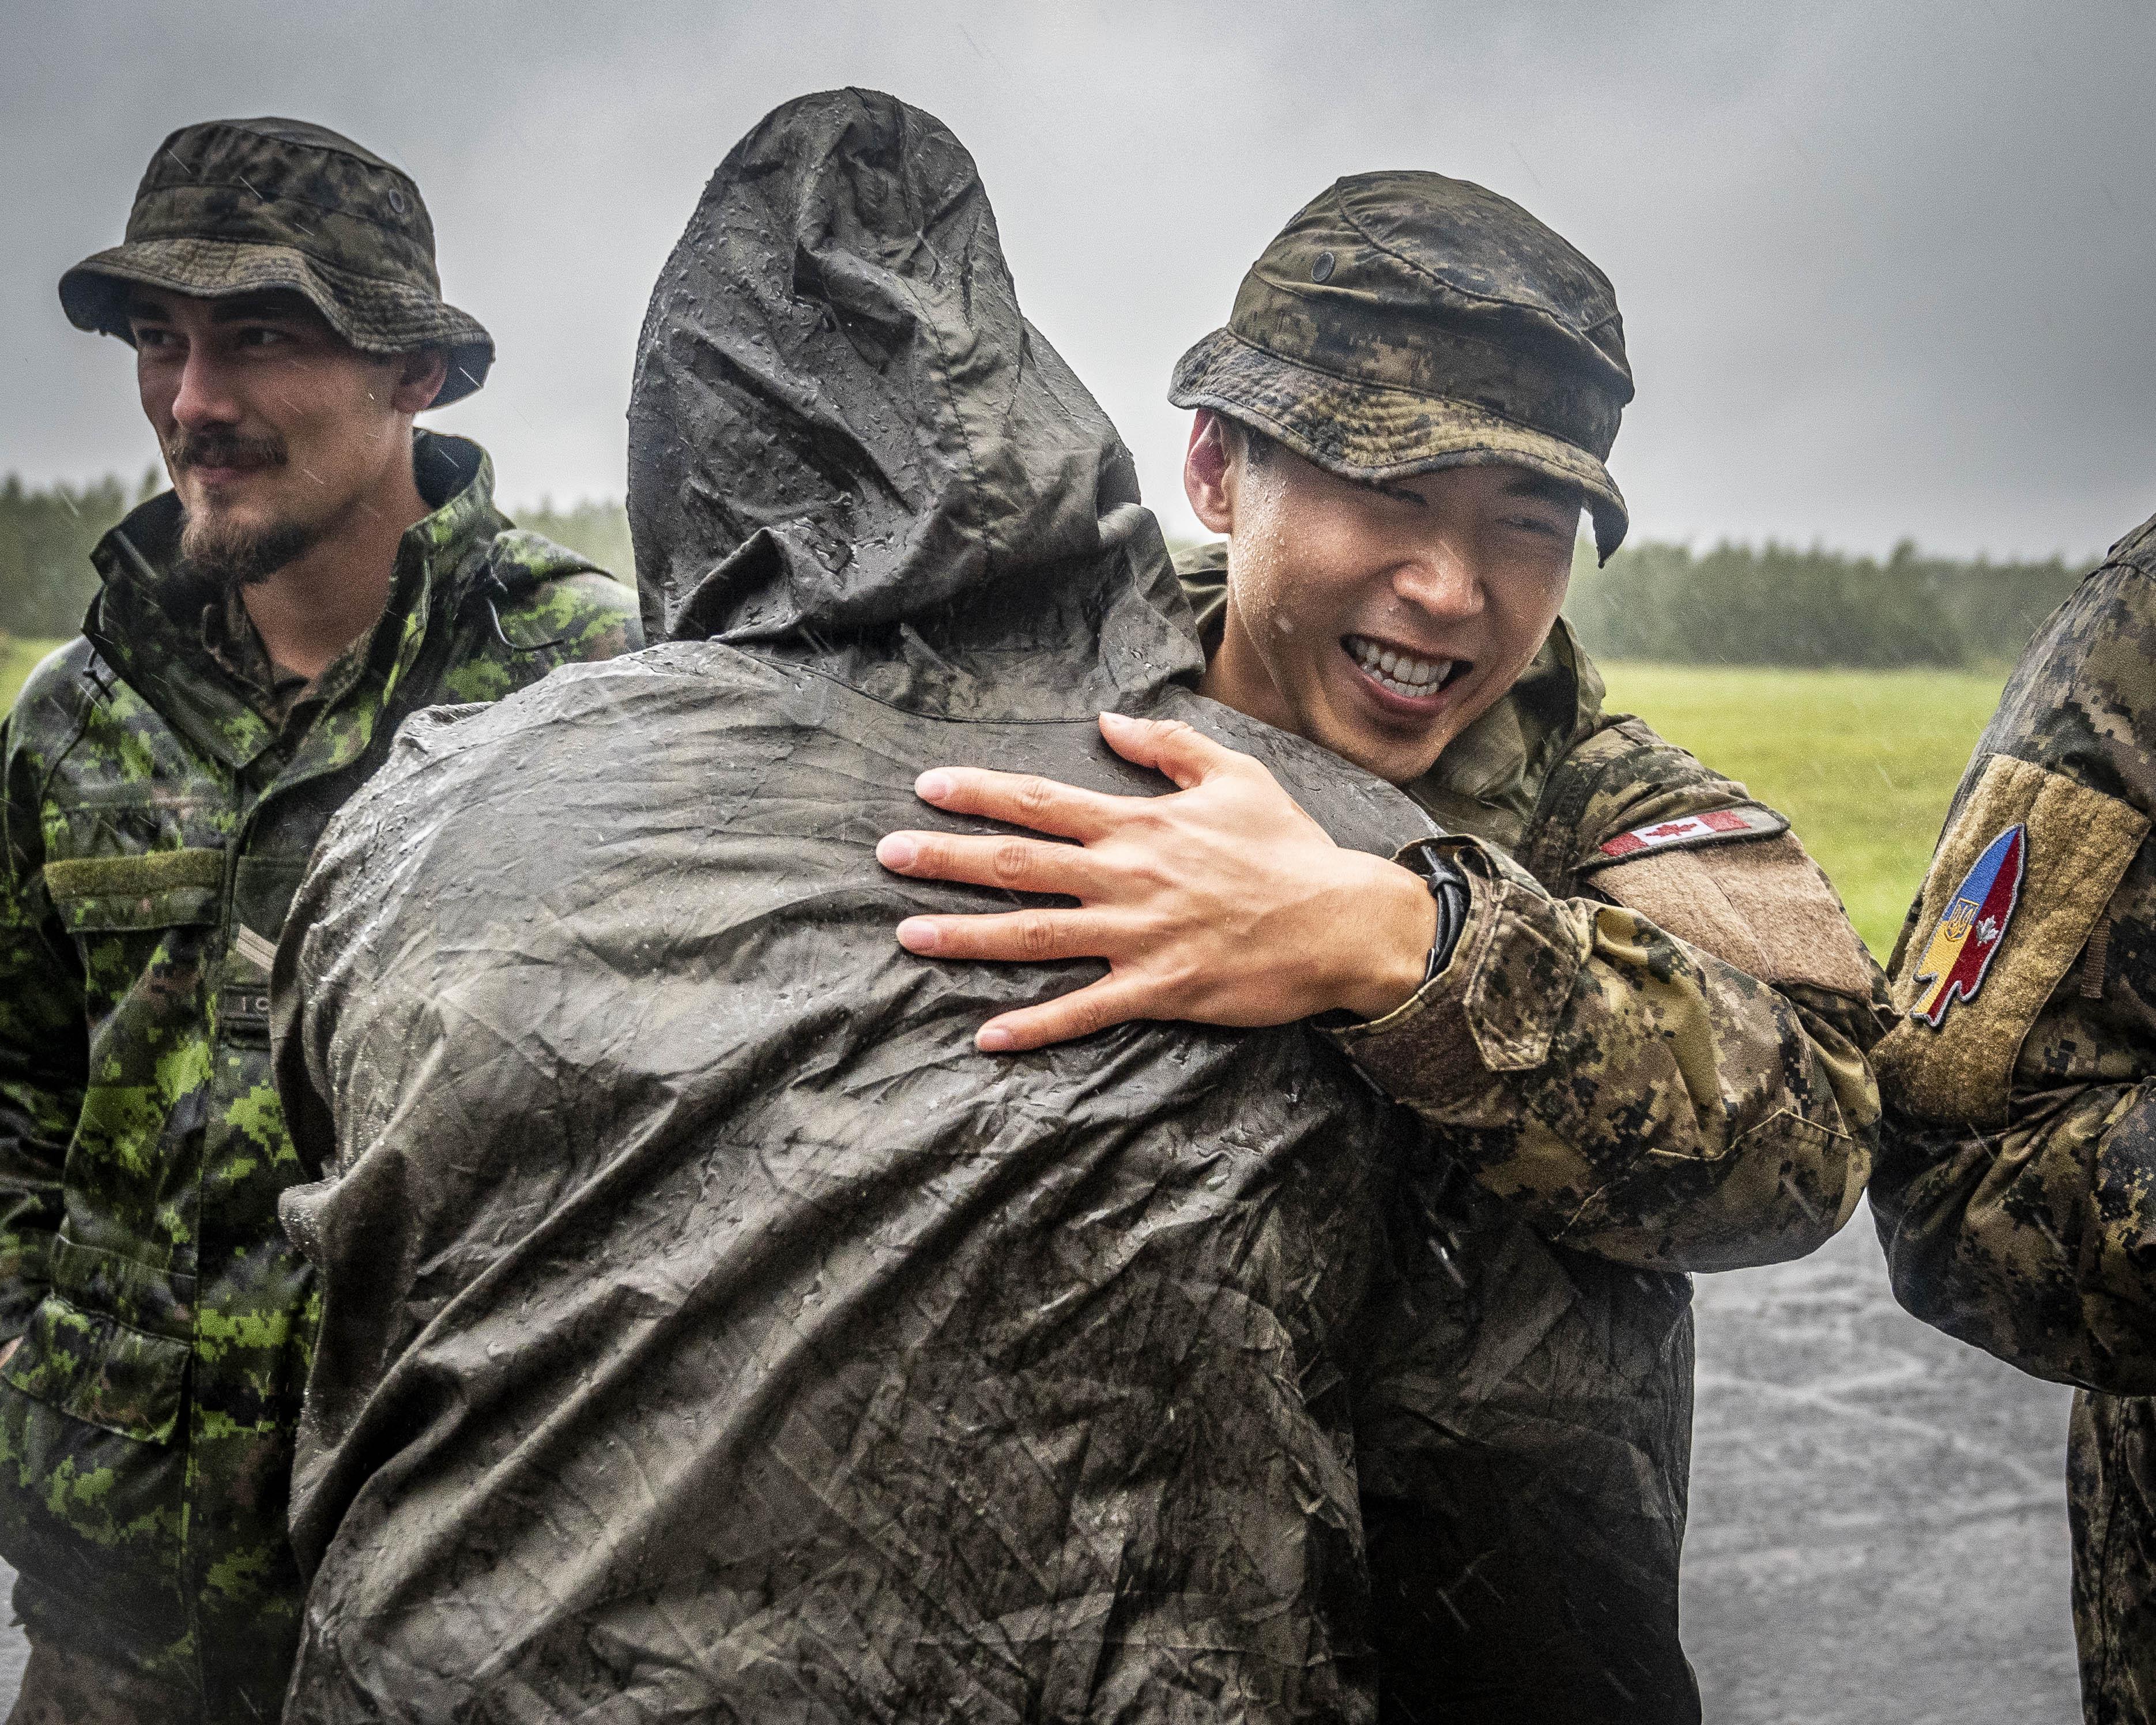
1973	927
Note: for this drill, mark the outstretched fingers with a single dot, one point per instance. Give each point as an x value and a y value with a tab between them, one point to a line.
1113	1000
1021	799
1039	936
1003	860
1180	751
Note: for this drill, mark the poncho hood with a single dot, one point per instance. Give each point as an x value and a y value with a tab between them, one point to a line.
848	445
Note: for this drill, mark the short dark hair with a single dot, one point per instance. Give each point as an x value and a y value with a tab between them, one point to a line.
1253	445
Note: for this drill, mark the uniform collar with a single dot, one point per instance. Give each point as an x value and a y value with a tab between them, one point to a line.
146	623
1491	778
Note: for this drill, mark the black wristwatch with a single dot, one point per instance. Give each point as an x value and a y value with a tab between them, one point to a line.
1448	887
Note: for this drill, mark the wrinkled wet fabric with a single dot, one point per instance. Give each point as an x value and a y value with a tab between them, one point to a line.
2016	1189
156	821
708	1330
1524	1433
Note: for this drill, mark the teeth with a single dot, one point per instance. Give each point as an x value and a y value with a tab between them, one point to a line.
1403	673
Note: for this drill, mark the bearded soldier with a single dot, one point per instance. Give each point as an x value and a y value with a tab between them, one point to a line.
1629	1003
317	571
2016	1189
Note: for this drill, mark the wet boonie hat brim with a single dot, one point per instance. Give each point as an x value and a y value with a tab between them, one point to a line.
374	315
1373	432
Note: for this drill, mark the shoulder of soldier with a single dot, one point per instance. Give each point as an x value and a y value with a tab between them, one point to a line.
2020	963
2139	546
1623	777
546	594
54	698
1202	565
1649	826
2082	698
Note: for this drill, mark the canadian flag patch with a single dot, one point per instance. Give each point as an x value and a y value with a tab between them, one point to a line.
1716	825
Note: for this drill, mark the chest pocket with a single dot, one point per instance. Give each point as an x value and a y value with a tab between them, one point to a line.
121	894
101	1372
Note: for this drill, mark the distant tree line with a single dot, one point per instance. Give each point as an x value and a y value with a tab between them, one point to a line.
1736	604
47	534
1742	604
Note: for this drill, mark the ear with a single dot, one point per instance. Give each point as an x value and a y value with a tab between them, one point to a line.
1208	475
419	379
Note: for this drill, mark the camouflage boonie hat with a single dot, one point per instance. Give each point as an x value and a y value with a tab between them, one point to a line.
242	206
1404	322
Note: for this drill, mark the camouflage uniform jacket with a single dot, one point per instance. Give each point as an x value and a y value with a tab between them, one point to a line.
2016	1189
1644	1058
156	824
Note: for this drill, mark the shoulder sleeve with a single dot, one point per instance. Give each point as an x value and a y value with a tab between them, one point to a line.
1659	833
1665	1067
549	598
44	1038
2016	1191
1763	907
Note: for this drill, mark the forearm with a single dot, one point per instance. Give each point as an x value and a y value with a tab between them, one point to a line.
40	1098
2033	1242
44	1055
1630	1094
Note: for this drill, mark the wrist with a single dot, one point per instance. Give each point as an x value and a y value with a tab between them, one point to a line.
1396	923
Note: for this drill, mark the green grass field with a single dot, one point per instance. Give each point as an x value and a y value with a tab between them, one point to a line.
17	658
1863	761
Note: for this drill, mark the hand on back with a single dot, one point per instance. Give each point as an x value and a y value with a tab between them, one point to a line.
1220	903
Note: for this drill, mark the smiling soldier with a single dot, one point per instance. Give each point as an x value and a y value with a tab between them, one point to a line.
317	571
1630	1005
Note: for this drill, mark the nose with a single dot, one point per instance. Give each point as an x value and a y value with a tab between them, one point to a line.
1439	577
204	398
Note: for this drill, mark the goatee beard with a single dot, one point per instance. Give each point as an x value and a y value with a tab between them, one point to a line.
224	554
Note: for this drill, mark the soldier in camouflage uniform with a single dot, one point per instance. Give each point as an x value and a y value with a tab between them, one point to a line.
1629	1004
2016	1186
166	776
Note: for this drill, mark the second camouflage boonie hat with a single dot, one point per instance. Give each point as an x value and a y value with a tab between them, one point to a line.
241	206
1404	322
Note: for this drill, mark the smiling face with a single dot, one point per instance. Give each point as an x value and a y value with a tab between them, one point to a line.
275	429
1378	621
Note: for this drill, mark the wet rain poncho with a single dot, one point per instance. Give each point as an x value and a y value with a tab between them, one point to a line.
708	1330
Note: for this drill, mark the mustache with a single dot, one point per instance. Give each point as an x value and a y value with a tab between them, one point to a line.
223	449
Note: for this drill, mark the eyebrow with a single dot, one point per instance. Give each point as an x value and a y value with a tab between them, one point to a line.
1546	488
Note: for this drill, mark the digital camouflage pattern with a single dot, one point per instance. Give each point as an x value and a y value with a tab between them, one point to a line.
2025	1221
156	823
1404	322
1619	1105
244	205
1612	1067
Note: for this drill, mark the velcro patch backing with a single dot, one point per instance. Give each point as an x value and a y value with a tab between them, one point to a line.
1765	908
2079	844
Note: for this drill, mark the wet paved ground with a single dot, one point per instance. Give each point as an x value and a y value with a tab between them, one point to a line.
1878	1527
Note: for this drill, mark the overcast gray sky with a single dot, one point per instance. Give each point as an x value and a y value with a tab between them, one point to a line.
1886	270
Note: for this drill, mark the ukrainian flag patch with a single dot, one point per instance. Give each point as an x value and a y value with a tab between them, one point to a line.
1972	927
